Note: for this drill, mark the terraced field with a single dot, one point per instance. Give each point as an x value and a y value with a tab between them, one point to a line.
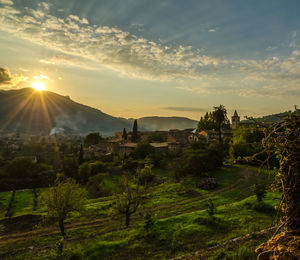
180	222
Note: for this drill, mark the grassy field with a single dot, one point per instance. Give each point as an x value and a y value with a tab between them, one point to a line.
180	223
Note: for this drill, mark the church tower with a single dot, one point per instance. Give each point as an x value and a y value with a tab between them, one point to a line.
235	120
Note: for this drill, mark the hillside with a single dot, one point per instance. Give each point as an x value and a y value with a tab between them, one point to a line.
272	118
29	111
165	123
181	224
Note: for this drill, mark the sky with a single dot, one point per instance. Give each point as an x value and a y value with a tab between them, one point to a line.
135	58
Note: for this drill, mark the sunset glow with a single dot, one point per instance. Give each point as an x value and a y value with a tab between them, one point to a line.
38	85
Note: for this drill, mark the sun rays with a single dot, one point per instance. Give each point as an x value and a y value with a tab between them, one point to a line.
39	85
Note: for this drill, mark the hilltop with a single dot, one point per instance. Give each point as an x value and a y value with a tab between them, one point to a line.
29	111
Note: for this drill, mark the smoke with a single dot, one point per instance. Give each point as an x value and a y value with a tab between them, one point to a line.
65	124
57	130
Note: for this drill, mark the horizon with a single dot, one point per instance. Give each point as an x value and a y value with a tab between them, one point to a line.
134	59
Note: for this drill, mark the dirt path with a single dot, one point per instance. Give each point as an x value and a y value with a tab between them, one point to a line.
107	224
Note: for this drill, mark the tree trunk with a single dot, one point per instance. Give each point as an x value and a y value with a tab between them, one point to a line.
62	227
127	219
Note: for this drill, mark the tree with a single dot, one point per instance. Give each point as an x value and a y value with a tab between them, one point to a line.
92	138
134	135
80	157
220	116
142	150
199	159
260	190
35	194
62	199
128	201
124	135
283	141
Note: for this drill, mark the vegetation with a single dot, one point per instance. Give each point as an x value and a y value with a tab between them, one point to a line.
283	141
220	117
210	120
92	138
134	135
128	201
62	199
156	196
124	134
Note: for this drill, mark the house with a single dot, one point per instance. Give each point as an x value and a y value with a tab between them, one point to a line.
127	148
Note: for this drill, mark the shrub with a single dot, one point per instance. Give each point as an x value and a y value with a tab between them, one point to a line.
260	190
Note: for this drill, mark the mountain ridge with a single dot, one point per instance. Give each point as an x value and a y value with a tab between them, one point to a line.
32	112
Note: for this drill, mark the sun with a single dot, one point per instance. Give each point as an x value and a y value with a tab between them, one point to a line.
38	85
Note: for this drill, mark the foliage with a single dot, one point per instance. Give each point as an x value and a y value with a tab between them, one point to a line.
70	166
97	185
283	141
23	173
11	205
124	134
84	172
134	134
245	141
80	156
62	199
208	122
92	138
211	209
145	175
130	198
200	158
142	150
35	194
260	190
220	117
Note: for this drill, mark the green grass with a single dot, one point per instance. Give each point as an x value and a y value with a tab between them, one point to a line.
181	222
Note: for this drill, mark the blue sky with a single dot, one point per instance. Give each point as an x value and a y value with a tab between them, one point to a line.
134	58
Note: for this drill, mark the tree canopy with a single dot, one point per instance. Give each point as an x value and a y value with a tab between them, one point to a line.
62	199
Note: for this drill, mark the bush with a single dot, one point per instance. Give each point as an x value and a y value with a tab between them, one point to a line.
260	190
263	208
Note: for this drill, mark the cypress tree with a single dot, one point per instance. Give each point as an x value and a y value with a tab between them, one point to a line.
134	135
124	135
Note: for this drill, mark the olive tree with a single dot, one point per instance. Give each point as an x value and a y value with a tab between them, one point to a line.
128	201
62	199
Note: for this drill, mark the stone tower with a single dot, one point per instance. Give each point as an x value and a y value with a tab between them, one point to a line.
235	120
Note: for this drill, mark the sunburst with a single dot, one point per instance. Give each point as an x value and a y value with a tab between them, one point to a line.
39	85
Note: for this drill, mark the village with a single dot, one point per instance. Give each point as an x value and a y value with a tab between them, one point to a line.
174	141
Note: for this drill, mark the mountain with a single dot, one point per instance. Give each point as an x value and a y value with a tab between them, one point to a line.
33	112
165	123
274	118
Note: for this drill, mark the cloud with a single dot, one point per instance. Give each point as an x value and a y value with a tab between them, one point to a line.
186	109
95	47
271	48
5	77
69	60
10	80
6	2
212	30
108	46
